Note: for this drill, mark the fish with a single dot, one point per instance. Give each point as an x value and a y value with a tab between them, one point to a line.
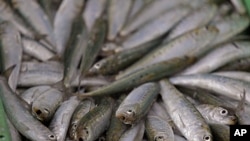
137	104
218	84
82	109
158	129
219	57
95	122
148	74
44	106
21	117
192	43
60	122
65	16
134	133
216	114
185	116
5	133
11	51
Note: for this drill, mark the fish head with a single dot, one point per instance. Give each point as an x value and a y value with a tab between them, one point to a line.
127	114
161	137
83	134
202	136
41	113
222	115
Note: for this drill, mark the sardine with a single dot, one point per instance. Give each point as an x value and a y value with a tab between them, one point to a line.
21	118
220	85
11	51
156	28
137	104
134	133
216	114
61	119
148	74
95	122
219	57
194	42
82	109
185	116
64	18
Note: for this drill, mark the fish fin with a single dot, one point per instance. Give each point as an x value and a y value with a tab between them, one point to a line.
8	71
241	105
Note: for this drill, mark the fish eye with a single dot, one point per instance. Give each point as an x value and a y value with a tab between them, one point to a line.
52	137
223	112
206	138
130	112
97	66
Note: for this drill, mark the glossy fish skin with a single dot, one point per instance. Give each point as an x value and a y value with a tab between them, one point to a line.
148	13
216	114
239	75
21	118
116	127
221	85
5	134
134	133
193	42
185	116
34	15
15	135
72	56
61	119
197	18
95	122
240	65
93	10
114	63
136	6
229	27
137	104
11	51
95	40
151	73
36	49
64	18
158	129
32	93
220	132
156	28
219	57
82	109
45	105
117	14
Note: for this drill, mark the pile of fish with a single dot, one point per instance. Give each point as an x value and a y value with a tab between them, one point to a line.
123	70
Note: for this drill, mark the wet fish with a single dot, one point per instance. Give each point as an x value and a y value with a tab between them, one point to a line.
197	18
117	14
82	109
36	49
36	18
156	28
151	73
221	85
44	106
219	57
242	64
134	133
61	120
93	10
239	75
137	104
193	42
158	129
21	118
11	51
64	18
95	122
220	132
215	114
185	116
